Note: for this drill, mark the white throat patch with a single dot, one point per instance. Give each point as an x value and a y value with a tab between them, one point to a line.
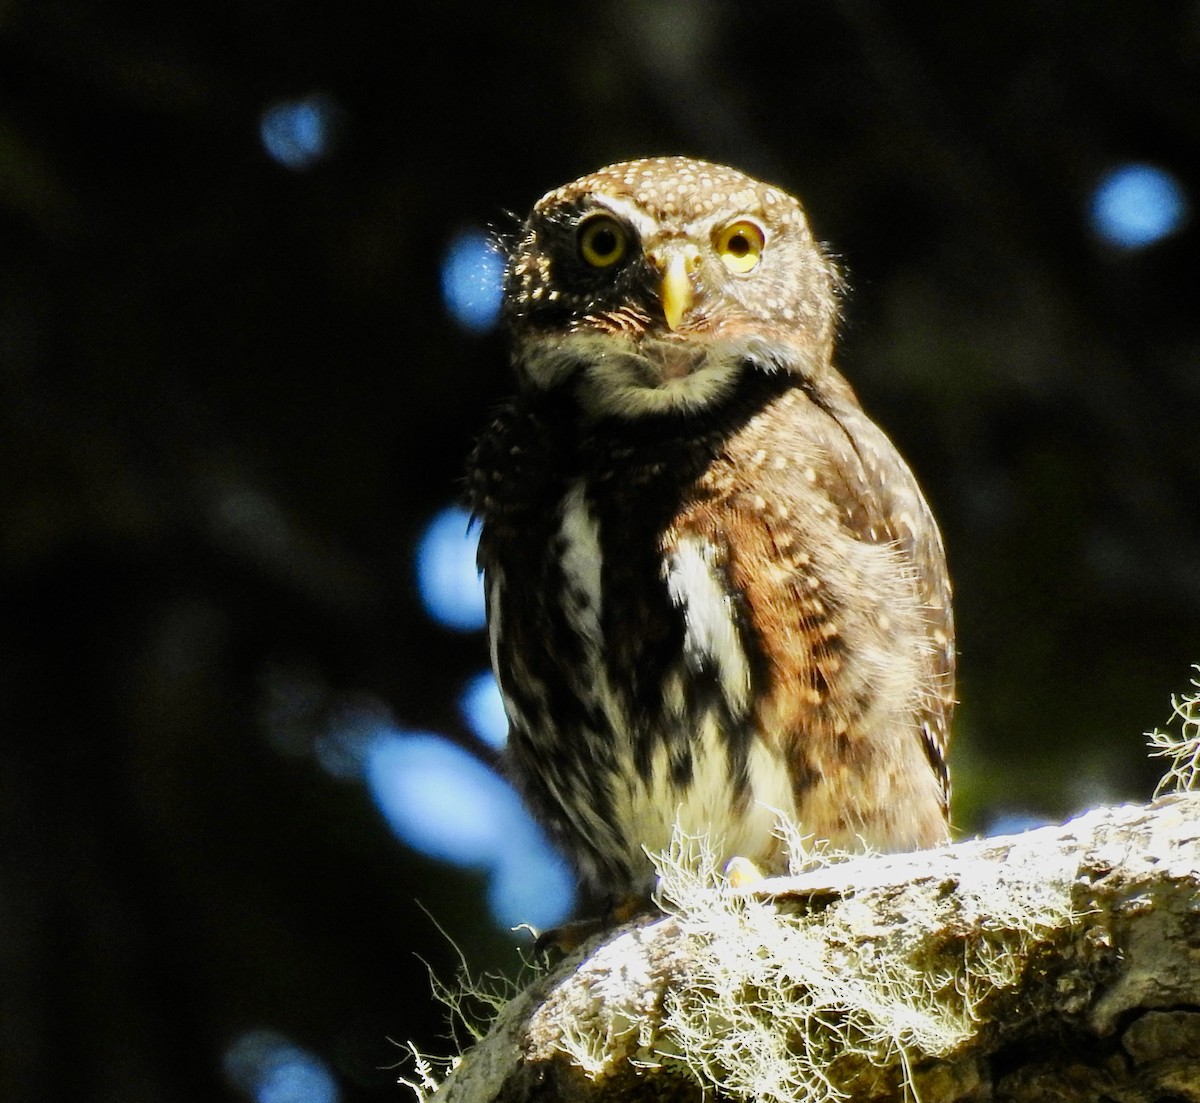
621	377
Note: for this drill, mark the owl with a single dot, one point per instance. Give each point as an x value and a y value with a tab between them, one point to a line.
715	593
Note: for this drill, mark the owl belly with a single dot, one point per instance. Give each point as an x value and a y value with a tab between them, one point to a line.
733	813
659	734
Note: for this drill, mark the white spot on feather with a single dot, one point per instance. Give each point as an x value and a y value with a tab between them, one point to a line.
710	633
495	593
495	599
581	563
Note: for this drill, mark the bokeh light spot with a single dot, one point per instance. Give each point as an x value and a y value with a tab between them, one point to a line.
1136	205
344	747
1014	821
271	1069
299	133
441	800
472	280
482	707
447	576
531	883
436	797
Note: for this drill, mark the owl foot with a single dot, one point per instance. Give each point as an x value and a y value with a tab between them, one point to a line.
742	873
570	936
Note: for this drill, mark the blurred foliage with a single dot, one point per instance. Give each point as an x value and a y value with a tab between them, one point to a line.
230	397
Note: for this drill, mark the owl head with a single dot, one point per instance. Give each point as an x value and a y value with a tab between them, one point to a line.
652	286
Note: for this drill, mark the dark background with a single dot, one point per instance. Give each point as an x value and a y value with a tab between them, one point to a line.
231	398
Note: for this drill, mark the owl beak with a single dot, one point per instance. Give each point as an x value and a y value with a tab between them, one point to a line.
676	291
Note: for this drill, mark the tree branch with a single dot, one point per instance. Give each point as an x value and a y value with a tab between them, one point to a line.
1059	964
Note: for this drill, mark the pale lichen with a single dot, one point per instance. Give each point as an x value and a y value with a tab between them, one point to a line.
473	1004
427	1073
790	1003
1182	748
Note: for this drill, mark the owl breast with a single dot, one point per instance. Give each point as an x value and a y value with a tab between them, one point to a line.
684	755
671	616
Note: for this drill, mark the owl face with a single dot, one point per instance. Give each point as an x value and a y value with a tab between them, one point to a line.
651	286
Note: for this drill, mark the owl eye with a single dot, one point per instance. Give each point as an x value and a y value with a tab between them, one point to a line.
603	241
740	245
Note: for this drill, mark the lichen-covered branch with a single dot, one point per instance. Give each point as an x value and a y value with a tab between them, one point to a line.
1060	964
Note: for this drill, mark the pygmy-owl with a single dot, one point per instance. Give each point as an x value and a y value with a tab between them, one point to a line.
715	591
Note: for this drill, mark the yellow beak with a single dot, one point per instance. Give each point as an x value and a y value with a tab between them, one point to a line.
676	291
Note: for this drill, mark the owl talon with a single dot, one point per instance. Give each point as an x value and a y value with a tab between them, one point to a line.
742	873
567	936
570	936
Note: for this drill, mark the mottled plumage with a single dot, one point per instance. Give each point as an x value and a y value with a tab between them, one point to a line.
715	591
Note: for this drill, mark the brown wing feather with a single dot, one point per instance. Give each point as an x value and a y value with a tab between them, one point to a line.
839	565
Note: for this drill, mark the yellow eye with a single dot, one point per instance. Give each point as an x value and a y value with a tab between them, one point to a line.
740	245
602	241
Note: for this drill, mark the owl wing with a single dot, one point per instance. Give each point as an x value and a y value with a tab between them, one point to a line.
885	506
836	567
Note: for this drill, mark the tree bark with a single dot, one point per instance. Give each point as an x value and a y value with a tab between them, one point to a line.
1059	964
